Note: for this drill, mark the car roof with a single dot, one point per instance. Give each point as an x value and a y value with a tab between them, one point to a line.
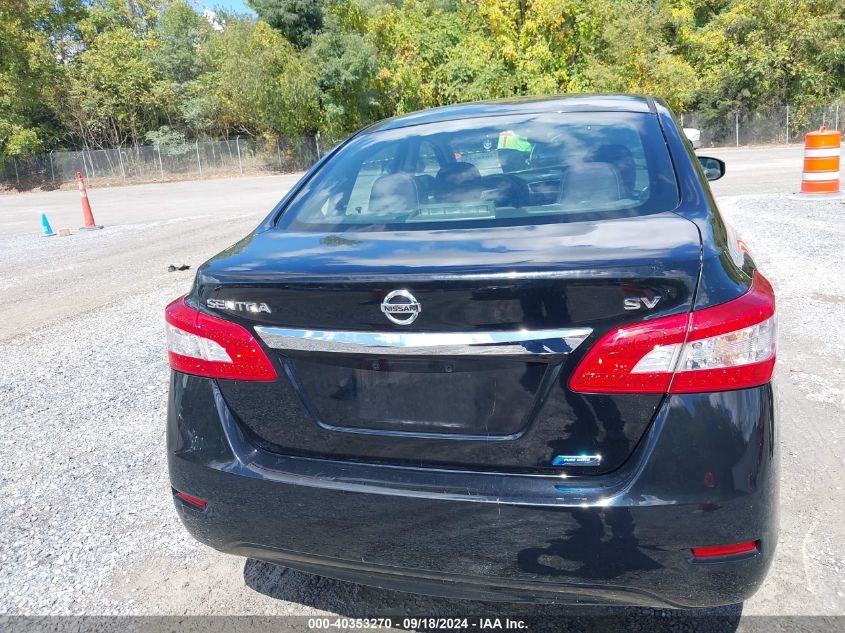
521	105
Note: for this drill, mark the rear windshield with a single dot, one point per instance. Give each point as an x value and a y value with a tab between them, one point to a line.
504	170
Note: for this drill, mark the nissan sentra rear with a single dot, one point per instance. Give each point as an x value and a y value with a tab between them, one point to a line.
505	350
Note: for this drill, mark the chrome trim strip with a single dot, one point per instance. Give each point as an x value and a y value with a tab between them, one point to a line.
512	343
462	437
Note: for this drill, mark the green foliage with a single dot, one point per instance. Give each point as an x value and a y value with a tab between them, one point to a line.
539	41
170	142
635	53
112	95
165	135
138	16
182	34
347	68
431	57
34	38
109	72
17	140
256	83
763	53
297	20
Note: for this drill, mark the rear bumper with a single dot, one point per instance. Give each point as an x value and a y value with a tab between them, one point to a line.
704	474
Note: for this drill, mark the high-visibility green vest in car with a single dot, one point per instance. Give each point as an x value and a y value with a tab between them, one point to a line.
511	140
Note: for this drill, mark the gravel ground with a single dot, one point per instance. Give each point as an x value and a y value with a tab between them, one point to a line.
88	526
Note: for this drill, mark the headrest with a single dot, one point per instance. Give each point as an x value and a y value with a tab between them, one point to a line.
591	183
393	193
458	182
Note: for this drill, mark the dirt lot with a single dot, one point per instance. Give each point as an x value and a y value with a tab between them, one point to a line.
88	526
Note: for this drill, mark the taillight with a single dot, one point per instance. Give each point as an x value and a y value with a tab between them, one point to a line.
728	346
203	345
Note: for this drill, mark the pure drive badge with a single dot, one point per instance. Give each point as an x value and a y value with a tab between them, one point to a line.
237	306
576	460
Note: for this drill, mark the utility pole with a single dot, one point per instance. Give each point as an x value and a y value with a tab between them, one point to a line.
736	117
787	124
238	145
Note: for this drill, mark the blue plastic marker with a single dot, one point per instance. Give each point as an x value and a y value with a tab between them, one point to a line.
47	230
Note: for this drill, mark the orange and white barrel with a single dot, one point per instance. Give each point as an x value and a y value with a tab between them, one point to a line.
821	162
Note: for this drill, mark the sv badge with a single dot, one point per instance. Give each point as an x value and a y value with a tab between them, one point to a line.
635	303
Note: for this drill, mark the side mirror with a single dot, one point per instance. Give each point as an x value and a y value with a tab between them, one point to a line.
713	167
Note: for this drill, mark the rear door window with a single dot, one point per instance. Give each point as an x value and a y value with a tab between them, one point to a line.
505	170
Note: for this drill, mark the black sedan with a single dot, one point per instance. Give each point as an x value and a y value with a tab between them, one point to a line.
506	350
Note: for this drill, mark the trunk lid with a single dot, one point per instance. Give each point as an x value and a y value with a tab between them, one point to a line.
479	378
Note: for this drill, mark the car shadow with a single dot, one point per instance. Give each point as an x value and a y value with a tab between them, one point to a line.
358	601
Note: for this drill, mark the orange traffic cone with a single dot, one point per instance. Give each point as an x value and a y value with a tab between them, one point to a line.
87	216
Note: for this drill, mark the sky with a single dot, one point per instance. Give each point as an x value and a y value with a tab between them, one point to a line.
238	6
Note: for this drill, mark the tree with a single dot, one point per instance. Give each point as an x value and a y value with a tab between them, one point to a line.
633	55
35	35
113	96
757	54
347	64
138	16
431	56
100	73
297	20
256	83
538	40
181	33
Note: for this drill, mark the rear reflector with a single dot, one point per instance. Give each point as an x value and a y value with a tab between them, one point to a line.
194	501
204	345
728	346
725	550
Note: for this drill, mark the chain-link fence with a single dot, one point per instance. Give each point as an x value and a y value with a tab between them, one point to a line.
782	124
242	155
182	161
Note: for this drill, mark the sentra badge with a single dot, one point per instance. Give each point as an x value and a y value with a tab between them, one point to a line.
237	306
